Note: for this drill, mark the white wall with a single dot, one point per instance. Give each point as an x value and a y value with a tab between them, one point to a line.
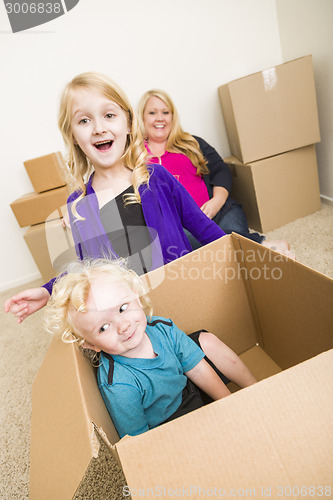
306	28
187	47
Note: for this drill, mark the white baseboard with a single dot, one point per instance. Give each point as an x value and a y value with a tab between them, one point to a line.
326	198
21	281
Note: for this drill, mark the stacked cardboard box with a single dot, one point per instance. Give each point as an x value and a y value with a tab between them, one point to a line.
274	438
42	210
51	246
271	119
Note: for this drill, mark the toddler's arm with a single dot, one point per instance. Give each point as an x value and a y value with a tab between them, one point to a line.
203	376
125	406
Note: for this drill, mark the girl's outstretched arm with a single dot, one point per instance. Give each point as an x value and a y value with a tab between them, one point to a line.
25	303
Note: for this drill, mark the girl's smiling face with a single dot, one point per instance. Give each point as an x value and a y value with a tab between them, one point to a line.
115	321
99	127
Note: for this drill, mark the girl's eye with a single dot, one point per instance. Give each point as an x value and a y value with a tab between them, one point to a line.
110	115
83	121
104	327
123	308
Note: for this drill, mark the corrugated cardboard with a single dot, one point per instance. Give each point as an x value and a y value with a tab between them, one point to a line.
278	433
46	172
272	111
51	246
277	190
35	208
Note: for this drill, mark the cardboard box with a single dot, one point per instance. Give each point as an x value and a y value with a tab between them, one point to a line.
272	111
51	246
277	190
35	208
46	172
278	433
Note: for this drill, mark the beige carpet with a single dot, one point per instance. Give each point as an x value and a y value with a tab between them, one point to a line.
24	346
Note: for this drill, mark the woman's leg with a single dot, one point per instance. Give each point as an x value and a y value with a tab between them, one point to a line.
234	220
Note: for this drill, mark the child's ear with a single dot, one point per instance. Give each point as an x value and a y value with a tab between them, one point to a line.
87	345
138	298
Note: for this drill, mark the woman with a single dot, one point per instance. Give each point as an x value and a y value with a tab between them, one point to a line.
196	165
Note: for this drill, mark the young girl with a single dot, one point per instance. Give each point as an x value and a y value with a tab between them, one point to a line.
196	165
120	206
148	371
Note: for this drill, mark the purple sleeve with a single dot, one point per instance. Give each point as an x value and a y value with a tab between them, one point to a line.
49	285
192	217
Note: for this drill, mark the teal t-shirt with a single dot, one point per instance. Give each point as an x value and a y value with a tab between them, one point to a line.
142	393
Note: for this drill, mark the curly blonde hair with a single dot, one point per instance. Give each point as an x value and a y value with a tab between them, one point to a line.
71	291
178	140
79	166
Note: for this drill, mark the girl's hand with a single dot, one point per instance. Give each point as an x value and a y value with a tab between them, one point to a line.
27	302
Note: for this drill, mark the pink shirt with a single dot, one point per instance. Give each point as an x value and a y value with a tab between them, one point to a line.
185	172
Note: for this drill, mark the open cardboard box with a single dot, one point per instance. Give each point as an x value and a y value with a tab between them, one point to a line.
265	439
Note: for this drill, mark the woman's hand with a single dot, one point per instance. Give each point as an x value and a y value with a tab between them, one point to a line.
212	206
27	302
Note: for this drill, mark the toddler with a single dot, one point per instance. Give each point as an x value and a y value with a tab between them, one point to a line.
149	371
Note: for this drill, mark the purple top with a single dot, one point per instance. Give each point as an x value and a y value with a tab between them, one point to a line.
167	209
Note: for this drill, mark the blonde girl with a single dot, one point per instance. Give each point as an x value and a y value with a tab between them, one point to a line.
122	206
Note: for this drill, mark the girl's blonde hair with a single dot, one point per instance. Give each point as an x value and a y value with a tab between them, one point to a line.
79	166
71	291
178	140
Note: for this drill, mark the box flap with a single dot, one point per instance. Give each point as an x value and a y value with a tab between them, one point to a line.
63	439
276	433
293	305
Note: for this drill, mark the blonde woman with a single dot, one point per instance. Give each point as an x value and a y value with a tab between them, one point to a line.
196	164
120	207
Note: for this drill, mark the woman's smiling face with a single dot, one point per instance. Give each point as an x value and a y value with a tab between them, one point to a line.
99	127
157	118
